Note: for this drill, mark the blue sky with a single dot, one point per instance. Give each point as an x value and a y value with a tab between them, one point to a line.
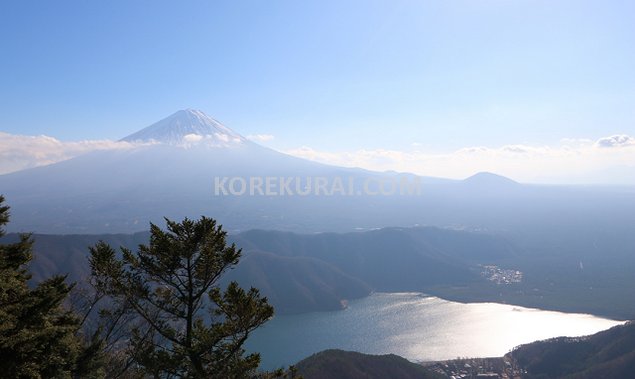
332	75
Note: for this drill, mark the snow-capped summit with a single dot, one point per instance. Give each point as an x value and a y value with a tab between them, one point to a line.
187	127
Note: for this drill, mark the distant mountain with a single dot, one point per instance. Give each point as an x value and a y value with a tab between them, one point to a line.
488	179
607	354
339	364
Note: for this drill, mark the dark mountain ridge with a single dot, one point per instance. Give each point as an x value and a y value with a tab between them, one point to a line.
302	273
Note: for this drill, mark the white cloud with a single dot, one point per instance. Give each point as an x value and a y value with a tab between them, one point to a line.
221	137
208	140
18	152
572	161
191	138
615	141
260	137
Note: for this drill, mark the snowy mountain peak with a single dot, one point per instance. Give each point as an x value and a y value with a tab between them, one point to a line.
187	127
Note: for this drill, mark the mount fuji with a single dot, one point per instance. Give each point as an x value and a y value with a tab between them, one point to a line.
169	170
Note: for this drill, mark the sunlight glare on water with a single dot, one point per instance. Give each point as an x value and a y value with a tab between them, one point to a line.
417	327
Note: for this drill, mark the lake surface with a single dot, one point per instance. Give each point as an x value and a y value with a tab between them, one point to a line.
417	327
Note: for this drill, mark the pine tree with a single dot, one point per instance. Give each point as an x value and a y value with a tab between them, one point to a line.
38	335
186	325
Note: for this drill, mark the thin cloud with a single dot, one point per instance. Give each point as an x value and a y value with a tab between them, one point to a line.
19	152
572	161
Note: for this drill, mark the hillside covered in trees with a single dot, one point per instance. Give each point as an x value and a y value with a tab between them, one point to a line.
339	364
607	354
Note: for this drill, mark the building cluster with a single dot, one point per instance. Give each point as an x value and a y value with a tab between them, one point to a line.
500	275
469	368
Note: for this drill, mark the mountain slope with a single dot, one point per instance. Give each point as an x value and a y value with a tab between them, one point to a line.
607	354
298	284
339	364
390	259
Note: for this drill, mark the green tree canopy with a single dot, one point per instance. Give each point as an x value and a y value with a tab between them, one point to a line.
185	324
38	335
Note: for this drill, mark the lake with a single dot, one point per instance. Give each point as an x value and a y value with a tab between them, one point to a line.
416	326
